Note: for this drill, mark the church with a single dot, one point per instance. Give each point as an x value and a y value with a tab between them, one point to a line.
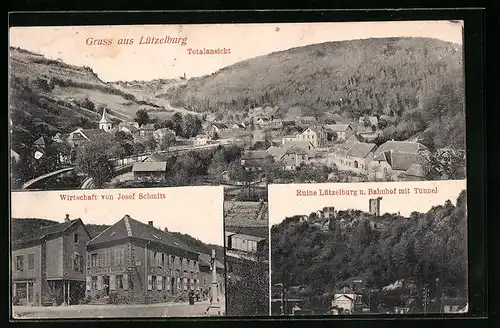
80	135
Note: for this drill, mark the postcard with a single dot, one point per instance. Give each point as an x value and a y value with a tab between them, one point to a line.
369	248
118	253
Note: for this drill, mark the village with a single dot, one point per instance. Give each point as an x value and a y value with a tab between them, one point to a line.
303	149
61	270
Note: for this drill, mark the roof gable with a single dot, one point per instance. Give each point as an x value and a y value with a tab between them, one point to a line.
48	232
155	157
402	161
401	146
149	167
337	127
361	149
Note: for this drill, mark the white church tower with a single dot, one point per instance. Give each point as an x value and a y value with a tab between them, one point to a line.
105	123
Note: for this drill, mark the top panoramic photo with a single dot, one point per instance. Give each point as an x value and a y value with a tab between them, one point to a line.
235	104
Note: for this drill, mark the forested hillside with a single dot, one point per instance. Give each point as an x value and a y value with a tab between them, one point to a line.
425	248
418	81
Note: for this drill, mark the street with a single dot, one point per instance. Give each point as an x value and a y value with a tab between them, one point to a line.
113	311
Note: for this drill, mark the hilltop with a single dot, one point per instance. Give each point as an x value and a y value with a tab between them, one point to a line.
49	96
416	81
422	247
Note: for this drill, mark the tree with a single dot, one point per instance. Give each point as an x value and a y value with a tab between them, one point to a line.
142	117
150	143
92	159
167	140
139	148
123	136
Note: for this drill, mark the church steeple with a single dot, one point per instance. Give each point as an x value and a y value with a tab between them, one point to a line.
105	123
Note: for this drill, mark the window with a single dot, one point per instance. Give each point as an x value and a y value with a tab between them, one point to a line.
119	256
164	283
19	263
93	260
162	259
119	281
77	262
153	282
75	238
31	261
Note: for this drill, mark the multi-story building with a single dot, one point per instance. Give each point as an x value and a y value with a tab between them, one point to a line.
48	264
137	263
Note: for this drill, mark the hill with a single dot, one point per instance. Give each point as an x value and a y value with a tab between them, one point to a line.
49	96
22	227
417	81
423	248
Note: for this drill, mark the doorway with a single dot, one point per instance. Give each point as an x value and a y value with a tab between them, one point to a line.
106	285
172	284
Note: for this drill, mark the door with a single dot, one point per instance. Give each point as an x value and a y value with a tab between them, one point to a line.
172	284
106	285
30	292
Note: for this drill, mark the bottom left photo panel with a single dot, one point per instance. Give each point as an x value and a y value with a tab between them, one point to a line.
155	252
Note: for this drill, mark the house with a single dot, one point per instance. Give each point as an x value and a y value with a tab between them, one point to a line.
292	158
276	152
399	160
79	136
217	128
239	126
48	264
287	122
160	133
105	122
149	171
206	274
315	134
130	129
155	157
146	129
255	160
368	120
368	133
201	140
140	264
358	156
244	243
454	305
60	137
40	143
305	121
14	157
304	144
338	132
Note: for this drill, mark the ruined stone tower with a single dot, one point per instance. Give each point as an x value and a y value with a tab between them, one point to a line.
375	206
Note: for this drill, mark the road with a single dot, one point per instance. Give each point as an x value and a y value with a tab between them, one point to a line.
113	311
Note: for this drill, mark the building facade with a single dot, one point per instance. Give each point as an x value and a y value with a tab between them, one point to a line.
48	265
133	262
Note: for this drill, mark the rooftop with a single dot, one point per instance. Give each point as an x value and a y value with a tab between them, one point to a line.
361	149
337	127
149	167
400	146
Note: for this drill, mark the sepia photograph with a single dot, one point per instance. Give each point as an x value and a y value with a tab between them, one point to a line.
101	107
246	229
118	253
369	248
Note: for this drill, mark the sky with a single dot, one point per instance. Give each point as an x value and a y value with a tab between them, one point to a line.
146	62
284	202
197	211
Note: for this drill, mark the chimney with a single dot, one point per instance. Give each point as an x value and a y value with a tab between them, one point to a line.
150	223
66	219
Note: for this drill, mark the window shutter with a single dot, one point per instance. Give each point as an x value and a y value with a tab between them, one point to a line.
112	282
159	282
89	263
150	282
99	282
125	281
167	283
89	283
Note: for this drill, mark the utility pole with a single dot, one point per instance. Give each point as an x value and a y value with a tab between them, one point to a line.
146	280
425	297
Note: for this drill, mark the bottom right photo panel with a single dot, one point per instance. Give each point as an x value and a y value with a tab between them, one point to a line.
368	248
